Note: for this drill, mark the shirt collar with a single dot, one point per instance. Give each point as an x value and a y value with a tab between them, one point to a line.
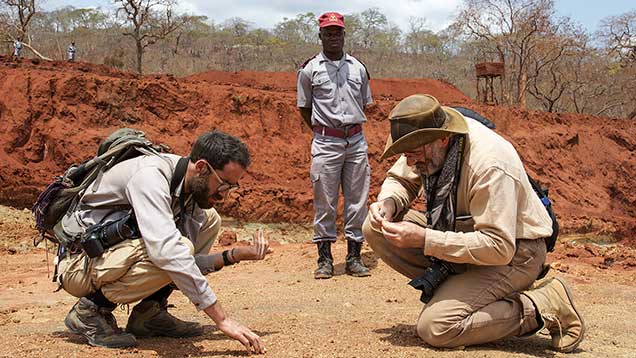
322	58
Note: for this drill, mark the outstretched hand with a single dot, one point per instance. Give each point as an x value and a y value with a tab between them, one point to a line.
258	250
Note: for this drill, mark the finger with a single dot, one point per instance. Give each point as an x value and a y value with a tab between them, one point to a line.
244	341
257	344
390	227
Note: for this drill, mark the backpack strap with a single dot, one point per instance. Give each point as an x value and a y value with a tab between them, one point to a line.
179	173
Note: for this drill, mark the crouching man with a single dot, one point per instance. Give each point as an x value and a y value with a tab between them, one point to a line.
164	204
480	245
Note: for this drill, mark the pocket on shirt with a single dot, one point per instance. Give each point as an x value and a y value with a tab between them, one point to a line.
322	87
355	84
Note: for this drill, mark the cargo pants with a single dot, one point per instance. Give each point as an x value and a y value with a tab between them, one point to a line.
124	272
482	304
339	162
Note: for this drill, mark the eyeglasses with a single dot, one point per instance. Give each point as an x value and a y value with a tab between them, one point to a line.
223	185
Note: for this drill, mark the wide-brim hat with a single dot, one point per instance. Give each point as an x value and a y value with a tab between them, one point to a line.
418	120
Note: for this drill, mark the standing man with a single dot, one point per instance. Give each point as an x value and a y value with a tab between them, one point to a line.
71	52
333	89
480	245
17	48
156	213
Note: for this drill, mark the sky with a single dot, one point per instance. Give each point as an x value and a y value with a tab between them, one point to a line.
438	13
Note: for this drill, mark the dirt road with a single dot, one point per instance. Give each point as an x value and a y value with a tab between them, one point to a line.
298	316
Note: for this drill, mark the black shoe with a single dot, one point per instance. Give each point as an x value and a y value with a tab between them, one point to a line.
353	263
325	261
87	319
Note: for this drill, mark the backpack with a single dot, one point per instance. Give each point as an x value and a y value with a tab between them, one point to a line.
63	194
541	192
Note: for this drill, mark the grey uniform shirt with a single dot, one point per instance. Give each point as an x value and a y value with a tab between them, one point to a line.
337	93
144	184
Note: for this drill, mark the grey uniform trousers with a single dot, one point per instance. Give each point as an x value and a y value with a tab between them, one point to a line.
482	304
339	162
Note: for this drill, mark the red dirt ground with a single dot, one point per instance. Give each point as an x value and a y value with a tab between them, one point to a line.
53	114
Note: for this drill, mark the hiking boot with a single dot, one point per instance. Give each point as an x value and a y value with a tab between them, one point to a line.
353	263
325	261
554	303
87	319
151	318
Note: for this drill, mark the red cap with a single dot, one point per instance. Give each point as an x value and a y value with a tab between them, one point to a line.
331	19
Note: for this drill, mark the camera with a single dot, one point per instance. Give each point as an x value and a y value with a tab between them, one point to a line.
100	237
434	275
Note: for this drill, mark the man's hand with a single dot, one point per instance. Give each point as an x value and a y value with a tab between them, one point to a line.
257	251
235	330
404	234
381	211
249	339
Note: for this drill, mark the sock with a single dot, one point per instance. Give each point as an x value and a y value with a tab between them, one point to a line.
100	300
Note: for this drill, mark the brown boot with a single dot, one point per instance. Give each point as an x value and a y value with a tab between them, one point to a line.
325	261
353	263
151	319
87	319
553	300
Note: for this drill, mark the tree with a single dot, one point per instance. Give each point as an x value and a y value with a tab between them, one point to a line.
619	36
15	24
148	21
516	28
301	29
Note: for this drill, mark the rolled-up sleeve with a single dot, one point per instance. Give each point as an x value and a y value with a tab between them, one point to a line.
493	206
303	89
149	194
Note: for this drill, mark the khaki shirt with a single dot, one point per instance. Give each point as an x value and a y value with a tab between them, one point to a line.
144	184
336	93
493	189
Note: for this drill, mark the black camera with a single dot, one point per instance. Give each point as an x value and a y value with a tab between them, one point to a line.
434	275
100	237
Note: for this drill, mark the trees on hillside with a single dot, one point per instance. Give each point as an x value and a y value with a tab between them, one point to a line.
15	22
146	22
550	62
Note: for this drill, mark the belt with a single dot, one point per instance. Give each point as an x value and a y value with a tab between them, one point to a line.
339	132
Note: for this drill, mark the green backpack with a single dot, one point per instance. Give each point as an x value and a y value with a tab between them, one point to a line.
63	194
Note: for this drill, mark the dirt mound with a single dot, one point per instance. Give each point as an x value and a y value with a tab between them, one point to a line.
53	114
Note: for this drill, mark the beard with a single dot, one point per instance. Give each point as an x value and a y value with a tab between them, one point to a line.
198	187
430	167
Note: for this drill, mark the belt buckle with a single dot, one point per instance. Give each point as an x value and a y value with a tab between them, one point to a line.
346	132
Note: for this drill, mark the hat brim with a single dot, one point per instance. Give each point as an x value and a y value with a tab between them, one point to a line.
456	125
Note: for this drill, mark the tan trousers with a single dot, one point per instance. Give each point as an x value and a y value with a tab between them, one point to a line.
480	305
124	272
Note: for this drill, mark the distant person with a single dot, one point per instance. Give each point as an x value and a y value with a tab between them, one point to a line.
150	223
480	245
17	48
333	89
71	52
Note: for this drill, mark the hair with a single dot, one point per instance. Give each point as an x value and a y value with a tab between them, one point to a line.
219	148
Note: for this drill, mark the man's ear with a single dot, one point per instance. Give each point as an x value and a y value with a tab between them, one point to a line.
201	168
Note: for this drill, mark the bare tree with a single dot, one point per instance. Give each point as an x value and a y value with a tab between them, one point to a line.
15	24
148	22
516	29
